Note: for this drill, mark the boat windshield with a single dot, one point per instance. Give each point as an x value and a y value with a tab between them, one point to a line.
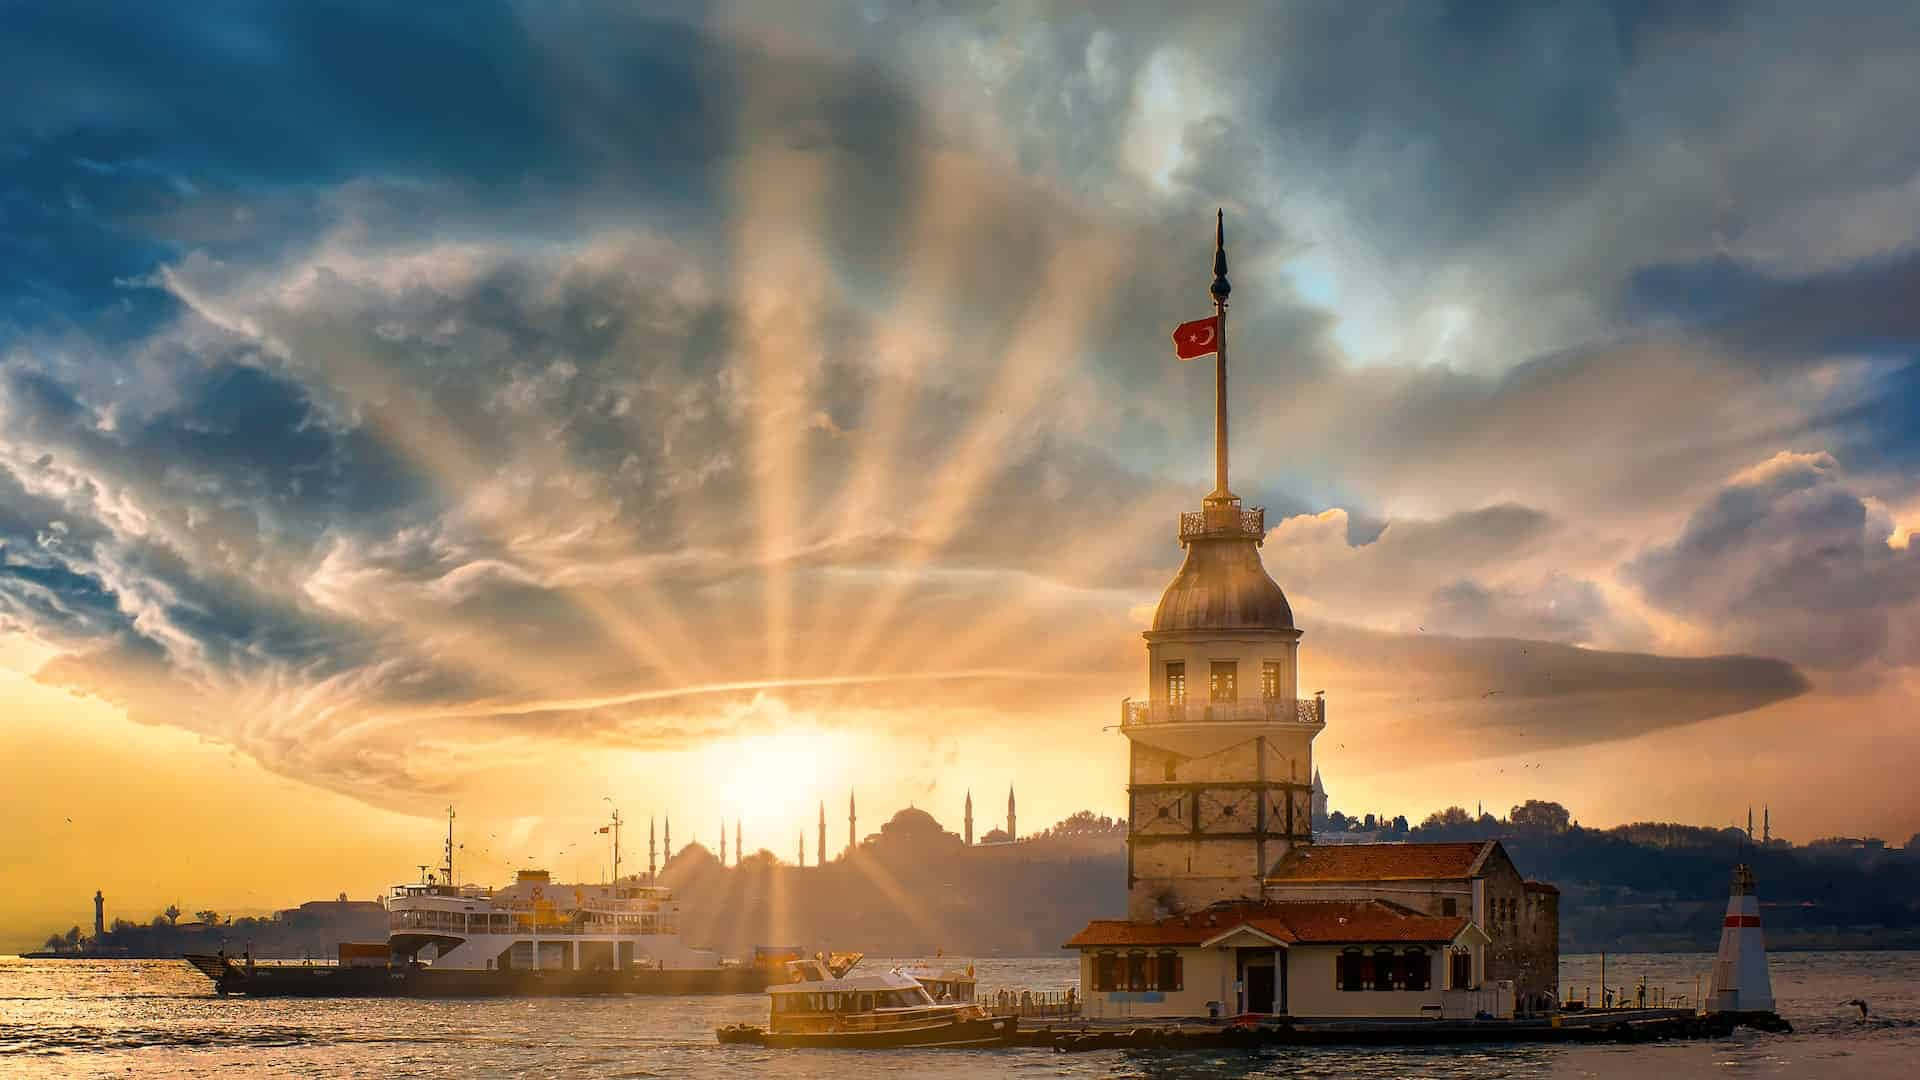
851	1001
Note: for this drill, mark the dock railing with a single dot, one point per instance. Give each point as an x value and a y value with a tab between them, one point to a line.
1031	1004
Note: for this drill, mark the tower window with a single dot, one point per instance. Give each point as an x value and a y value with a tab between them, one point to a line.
1176	683
1270	681
1224	680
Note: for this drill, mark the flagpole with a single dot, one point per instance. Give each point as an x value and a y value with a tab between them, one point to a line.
1220	291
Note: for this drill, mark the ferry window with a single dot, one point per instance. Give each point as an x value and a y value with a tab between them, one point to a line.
1168	973
1449	907
1223	682
1383	966
1270	681
866	1002
1415	969
1106	972
1176	683
1137	971
1352	970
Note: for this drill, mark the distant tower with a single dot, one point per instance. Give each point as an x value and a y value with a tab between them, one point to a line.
969	818
99	915
737	849
1740	981
1766	824
1319	802
666	846
1749	823
723	841
803	848
653	867
1220	754
1011	832
822	857
850	822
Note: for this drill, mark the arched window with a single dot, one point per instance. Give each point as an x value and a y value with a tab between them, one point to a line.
1352	970
1383	965
1416	969
1168	973
1136	971
1106	971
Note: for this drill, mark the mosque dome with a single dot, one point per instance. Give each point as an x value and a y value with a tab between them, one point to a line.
1223	586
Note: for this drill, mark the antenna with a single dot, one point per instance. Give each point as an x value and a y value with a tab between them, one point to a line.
449	866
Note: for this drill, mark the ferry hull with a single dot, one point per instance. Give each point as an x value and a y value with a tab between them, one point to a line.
984	1031
327	980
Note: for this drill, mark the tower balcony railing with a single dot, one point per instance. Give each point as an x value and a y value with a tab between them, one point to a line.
1135	712
1227	521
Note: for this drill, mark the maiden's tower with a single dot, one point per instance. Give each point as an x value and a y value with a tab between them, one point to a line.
1230	906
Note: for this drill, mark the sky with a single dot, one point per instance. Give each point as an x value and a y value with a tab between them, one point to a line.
539	408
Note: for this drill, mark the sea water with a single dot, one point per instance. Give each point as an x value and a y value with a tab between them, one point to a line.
159	1018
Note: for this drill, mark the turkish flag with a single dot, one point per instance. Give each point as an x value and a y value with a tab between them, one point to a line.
1197	338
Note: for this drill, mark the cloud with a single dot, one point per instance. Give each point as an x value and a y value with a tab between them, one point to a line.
479	385
1787	558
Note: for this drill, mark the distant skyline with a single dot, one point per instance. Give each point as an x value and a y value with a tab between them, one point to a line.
521	407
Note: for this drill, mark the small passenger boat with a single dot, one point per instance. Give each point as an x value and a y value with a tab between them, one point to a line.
830	1008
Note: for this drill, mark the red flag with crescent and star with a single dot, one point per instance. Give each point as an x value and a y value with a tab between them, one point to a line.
1197	338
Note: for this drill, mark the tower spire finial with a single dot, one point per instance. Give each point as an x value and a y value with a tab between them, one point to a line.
1221	289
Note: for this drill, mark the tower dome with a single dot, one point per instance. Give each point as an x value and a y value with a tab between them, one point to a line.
1222	585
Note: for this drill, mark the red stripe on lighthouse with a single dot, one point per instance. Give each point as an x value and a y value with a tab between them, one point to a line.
1741	920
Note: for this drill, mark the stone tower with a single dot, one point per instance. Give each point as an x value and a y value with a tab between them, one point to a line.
823	832
969	819
1012	832
1221	751
99	914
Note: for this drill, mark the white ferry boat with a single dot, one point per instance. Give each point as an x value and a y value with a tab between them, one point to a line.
826	1006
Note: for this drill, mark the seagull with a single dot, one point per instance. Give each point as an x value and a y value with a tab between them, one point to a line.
1489	693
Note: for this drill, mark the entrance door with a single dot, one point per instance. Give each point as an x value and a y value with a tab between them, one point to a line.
1260	988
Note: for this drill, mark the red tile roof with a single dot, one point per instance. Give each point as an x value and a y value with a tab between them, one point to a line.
1381	862
1290	922
1539	886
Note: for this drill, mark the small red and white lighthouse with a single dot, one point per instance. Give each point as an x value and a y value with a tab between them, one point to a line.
1740	982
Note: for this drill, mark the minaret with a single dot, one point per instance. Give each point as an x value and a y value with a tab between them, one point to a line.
850	823
1221	750
1740	982
666	846
969	818
653	868
1766	824
1011	833
1749	823
737	849
99	915
723	841
803	848
823	833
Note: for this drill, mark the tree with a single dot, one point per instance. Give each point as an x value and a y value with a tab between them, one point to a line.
172	913
54	943
1400	823
1540	816
1451	816
210	917
1336	822
1370	824
73	936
